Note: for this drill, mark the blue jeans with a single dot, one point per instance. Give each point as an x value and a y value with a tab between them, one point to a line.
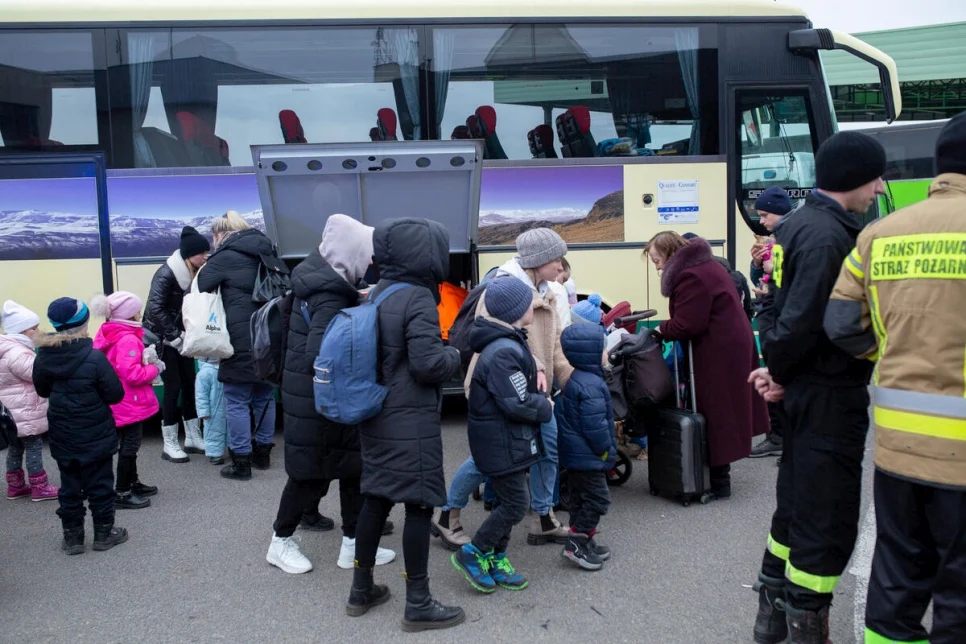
543	473
467	478
239	398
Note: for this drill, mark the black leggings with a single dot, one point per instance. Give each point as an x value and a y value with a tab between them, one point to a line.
179	381
299	497
415	539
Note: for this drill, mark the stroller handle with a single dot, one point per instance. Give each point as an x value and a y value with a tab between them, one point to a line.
636	316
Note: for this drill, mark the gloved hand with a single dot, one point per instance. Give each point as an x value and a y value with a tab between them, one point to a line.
149	355
456	351
161	366
655	333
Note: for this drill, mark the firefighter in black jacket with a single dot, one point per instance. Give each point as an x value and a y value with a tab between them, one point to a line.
825	396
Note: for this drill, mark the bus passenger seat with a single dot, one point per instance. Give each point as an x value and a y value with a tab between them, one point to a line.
541	142
386	124
292	131
484	127
163	150
573	130
203	146
461	132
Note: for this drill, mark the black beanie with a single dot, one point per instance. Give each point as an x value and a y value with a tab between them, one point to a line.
951	146
848	160
192	243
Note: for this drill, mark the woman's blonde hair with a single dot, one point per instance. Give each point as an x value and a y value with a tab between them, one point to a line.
230	222
665	243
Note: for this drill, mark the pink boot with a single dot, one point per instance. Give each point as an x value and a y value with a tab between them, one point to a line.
16	485
40	489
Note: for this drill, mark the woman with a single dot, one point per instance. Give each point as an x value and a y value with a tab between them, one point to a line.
163	319
233	267
318	451
705	311
402	447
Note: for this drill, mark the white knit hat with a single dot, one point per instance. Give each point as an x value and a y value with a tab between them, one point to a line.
17	318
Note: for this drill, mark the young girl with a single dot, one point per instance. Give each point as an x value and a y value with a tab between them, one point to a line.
121	339
29	411
210	402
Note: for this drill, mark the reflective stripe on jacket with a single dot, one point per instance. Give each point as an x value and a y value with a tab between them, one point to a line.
901	300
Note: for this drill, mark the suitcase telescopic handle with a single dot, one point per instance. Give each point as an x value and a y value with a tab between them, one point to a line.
677	379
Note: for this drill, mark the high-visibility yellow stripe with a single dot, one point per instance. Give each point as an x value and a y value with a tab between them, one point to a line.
779	550
778	264
879	327
871	637
907	421
815	583
854	263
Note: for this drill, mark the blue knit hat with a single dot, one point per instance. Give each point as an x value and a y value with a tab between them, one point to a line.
588	310
507	299
774	200
66	314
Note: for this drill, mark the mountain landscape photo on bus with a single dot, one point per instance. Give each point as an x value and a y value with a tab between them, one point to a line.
584	204
48	219
148	212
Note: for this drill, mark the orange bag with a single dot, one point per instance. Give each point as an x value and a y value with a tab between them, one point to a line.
451	298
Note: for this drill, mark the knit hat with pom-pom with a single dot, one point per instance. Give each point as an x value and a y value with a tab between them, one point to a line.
119	305
588	311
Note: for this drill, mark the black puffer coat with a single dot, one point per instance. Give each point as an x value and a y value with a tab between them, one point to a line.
234	267
315	448
402	447
81	386
162	314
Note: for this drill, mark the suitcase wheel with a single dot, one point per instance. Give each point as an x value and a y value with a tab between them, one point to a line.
621	471
686	503
706	498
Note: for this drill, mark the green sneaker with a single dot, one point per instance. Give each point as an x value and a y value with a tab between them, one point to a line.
505	575
475	566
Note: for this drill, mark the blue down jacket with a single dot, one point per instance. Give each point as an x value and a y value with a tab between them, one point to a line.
586	422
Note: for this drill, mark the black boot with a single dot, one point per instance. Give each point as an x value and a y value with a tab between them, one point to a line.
316	522
240	468
364	594
124	499
721	482
807	626
106	536
130	501
424	613
261	456
770	626
137	487
73	540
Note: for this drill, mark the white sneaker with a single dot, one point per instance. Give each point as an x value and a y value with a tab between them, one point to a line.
284	553
347	555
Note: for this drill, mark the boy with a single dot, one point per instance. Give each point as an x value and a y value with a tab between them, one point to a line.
586	442
81	386
505	414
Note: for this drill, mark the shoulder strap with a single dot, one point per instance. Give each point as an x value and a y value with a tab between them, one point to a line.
392	288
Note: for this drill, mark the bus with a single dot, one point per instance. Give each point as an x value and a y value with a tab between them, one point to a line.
607	120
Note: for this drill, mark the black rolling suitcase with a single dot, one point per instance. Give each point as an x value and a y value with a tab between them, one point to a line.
677	447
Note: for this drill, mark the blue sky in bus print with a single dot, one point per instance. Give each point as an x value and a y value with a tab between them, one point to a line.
583	203
48	219
148	213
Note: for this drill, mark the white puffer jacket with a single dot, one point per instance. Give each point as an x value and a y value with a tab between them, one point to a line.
17	391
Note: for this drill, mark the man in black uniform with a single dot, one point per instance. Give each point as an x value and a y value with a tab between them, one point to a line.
825	397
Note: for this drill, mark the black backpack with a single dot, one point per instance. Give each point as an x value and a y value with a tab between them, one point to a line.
272	280
269	327
459	333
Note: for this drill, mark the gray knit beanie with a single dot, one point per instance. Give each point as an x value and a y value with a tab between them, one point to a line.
540	246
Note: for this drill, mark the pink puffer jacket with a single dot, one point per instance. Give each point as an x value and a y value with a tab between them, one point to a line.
123	345
17	391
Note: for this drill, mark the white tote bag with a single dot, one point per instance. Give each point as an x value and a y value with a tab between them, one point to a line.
205	326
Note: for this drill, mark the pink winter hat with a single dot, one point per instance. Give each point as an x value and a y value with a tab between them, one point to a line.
120	305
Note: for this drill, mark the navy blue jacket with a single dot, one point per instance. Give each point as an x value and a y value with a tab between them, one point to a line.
586	428
505	409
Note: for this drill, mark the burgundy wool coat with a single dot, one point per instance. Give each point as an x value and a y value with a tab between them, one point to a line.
705	310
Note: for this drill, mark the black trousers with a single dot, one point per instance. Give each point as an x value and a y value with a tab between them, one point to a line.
179	387
776	418
128	444
415	538
920	554
819	488
589	500
300	497
93	482
512	492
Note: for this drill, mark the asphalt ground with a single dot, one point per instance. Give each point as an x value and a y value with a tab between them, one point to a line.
194	569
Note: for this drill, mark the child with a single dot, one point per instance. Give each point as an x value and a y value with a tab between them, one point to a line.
26	408
568	283
505	414
80	385
588	311
210	401
121	339
586	442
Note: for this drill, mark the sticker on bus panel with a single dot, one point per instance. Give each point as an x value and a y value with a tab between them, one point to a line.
677	201
793	193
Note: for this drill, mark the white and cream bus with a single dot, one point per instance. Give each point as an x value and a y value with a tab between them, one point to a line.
609	120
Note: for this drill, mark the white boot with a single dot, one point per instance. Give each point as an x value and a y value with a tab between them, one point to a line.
347	555
172	450
193	442
284	553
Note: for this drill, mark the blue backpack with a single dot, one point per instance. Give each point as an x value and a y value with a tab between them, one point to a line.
345	383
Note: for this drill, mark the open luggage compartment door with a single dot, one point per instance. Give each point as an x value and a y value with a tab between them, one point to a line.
300	186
